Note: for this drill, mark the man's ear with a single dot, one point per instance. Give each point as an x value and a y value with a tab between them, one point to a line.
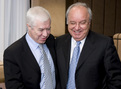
28	26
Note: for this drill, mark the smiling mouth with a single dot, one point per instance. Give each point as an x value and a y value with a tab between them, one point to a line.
44	38
77	32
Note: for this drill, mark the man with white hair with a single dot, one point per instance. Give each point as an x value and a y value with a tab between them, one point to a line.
85	59
29	62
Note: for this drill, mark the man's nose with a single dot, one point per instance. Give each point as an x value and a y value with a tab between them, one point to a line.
45	32
77	26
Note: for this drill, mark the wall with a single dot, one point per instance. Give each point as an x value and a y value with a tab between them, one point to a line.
57	11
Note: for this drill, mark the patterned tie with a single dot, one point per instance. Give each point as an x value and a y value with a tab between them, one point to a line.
73	65
48	83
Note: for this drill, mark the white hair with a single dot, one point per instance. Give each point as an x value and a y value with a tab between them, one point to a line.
37	13
78	4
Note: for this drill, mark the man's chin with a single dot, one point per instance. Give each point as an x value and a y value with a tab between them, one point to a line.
42	42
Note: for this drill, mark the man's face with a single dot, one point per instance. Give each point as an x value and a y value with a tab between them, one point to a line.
40	32
78	22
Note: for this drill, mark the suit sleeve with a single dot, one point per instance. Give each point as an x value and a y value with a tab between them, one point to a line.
113	66
12	72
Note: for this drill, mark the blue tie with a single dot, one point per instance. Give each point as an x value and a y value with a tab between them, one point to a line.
73	65
48	82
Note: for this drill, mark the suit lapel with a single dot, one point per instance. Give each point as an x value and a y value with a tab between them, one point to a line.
88	48
66	51
29	57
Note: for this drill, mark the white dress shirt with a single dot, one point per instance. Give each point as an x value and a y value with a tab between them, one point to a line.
73	45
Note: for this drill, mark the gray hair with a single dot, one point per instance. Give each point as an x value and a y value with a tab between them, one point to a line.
37	13
79	4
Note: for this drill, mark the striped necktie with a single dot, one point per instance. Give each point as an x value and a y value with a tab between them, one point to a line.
73	65
48	83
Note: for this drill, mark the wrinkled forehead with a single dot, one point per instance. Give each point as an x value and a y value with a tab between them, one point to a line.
78	12
78	9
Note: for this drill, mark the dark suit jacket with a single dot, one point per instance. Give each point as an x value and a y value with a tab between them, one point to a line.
20	66
99	66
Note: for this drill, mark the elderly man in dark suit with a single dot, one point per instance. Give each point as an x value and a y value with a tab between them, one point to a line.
25	60
85	59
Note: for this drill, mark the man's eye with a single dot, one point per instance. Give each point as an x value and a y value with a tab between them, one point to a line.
72	23
40	29
48	29
83	22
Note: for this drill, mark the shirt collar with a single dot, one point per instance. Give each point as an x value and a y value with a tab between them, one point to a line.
74	41
31	42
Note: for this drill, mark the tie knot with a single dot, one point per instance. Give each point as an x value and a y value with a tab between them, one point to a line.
41	46
78	43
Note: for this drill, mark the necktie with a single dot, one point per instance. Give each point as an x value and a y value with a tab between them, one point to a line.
47	70
73	65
